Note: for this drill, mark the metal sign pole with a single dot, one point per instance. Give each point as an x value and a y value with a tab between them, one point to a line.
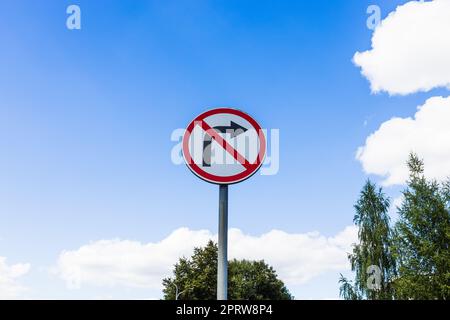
222	262
215	124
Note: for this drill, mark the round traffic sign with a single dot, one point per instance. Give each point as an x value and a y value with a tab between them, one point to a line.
224	146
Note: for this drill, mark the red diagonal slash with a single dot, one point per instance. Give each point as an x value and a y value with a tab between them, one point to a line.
224	144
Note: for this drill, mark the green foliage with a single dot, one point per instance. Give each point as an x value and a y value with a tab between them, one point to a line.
373	248
255	280
415	256
196	279
346	290
422	238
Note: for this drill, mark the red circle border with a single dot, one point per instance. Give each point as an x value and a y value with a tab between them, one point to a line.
219	179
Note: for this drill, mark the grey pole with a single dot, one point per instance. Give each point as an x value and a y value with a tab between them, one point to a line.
222	262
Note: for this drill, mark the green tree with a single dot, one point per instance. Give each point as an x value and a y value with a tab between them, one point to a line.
255	280
371	259
422	237
196	279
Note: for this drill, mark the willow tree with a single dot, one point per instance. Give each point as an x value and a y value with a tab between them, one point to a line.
371	259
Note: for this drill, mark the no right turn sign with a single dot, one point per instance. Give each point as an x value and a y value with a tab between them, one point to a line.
224	146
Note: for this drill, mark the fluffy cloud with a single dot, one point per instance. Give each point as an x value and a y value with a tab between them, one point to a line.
427	134
9	287
297	257
410	49
127	263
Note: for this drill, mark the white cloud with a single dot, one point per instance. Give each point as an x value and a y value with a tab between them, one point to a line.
127	263
9	287
296	257
427	134
398	201
410	49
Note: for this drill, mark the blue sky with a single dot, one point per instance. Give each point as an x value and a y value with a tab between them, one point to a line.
86	117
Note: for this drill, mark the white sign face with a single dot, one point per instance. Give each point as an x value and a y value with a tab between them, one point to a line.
224	146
